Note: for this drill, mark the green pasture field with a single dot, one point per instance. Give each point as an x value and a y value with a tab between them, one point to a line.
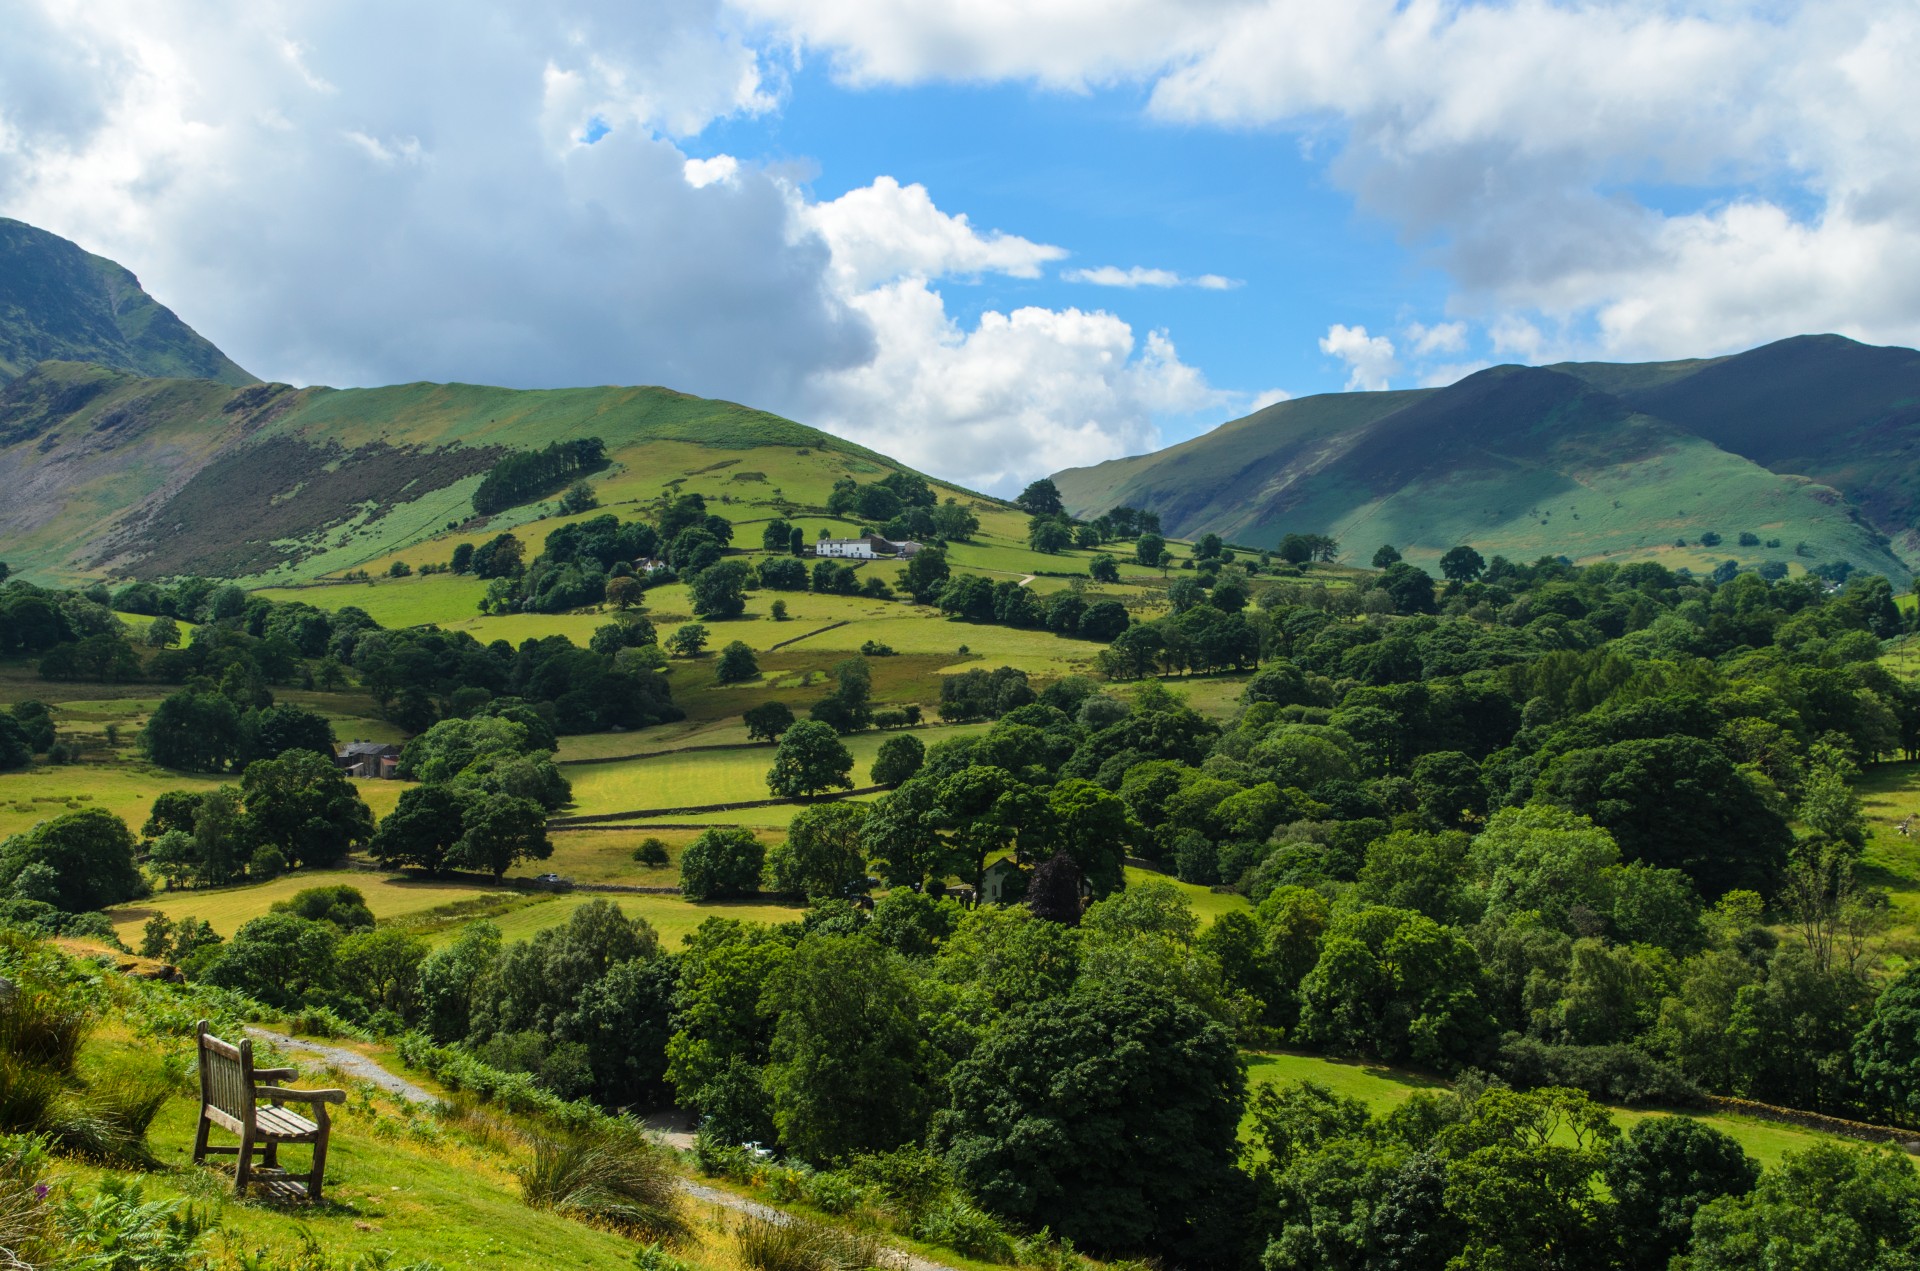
1382	1088
1890	793
671	916
692	778
445	599
228	908
772	820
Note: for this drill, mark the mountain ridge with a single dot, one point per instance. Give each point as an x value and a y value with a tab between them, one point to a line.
61	302
1336	463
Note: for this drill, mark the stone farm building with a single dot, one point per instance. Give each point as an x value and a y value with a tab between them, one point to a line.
872	547
368	759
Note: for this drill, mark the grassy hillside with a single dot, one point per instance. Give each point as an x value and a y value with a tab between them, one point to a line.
126	476
1806	442
57	301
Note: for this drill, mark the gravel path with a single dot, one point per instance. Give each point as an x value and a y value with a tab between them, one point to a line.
351	1062
672	1131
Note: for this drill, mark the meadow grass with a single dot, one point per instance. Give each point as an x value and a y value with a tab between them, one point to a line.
673	917
1383	1088
126	788
400	1182
388	896
693	778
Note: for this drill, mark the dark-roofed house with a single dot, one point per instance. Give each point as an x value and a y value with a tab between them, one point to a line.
368	759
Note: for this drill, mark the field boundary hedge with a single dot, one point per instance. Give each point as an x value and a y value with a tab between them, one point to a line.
599	818
808	635
1907	1139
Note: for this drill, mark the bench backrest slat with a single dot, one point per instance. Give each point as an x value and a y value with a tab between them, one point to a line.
226	1076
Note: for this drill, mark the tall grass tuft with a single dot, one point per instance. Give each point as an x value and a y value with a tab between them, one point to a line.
610	1174
26	1215
793	1244
42	1028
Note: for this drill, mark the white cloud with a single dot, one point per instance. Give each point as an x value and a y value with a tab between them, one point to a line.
1140	276
1020	394
1441	337
1370	359
1510	140
886	230
701	173
355	193
1017	395
1269	397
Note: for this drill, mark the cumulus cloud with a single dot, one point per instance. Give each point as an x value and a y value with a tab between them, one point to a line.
887	230
1370	359
353	194
1511	140
1019	393
1441	337
1140	276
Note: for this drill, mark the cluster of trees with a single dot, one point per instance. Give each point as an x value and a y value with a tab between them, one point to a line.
487	785
526	475
1067	612
292	811
421	675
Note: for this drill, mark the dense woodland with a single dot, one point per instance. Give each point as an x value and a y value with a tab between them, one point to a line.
1558	834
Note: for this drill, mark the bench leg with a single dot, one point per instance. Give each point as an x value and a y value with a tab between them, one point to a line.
243	1163
317	1178
200	1139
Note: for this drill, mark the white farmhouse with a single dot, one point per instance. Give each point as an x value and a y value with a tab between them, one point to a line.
872	547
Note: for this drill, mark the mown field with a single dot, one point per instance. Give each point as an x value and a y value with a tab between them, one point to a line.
1382	1088
693	778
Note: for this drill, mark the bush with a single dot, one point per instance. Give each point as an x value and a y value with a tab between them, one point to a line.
794	1244
967	1230
651	852
610	1175
1615	1074
721	864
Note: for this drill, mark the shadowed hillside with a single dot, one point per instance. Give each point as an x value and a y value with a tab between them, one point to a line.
59	302
126	476
1810	448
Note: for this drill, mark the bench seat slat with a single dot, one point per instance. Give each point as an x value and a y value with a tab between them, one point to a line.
278	1123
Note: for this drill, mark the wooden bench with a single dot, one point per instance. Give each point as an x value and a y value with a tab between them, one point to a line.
230	1097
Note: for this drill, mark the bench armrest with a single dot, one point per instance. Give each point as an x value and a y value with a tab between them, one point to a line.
300	1096
275	1074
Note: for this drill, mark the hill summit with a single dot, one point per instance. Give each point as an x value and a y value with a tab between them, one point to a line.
1806	452
60	302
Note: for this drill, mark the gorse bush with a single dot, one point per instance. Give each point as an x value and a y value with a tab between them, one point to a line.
793	1244
610	1175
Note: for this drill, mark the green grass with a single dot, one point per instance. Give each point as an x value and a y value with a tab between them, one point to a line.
126	789
1382	1088
691	779
1207	903
402	1183
389	896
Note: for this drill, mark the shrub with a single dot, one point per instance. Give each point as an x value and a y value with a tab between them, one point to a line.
610	1175
652	851
767	1244
965	1229
720	864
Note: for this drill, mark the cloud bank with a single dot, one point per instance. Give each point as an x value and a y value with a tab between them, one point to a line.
352	194
1635	178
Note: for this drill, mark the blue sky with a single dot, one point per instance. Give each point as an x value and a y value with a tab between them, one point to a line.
866	214
1092	173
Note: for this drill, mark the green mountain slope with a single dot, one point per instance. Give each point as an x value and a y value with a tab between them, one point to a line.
59	302
118	475
1811	446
